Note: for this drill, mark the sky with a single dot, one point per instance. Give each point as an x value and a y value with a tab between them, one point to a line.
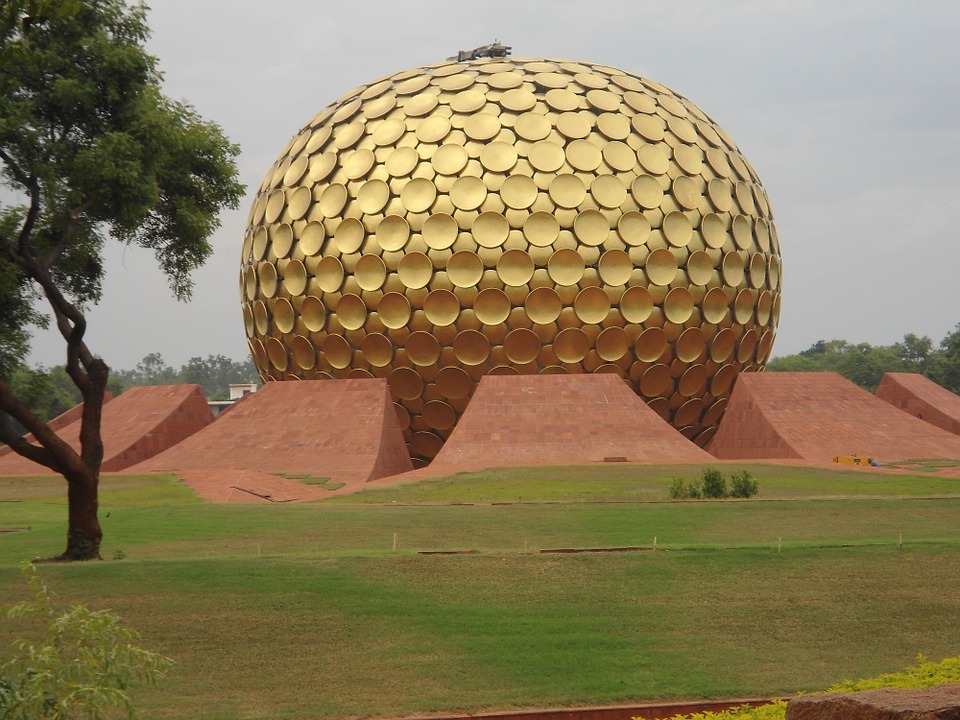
849	112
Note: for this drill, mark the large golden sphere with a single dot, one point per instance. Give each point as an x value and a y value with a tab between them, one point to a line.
513	216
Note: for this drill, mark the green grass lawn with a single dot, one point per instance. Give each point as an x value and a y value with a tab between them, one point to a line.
307	611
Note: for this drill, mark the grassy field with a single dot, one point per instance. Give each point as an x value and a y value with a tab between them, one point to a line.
332	610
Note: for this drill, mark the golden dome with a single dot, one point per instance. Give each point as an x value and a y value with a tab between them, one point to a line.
513	216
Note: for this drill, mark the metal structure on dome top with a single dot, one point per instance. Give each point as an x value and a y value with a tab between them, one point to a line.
513	215
494	50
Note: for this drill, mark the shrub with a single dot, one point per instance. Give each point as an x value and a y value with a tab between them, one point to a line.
714	483
678	490
742	485
82	667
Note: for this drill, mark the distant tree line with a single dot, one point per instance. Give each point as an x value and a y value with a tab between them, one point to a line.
865	364
50	391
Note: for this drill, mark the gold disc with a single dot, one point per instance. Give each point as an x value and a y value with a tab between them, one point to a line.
713	230
441	307
721	347
277	354
491	306
405	383
678	305
654	159
449	159
349	235
573	125
609	191
468	101
546	156
337	352
719	192
603	100
647	192
758	270
422	348
304	353
332	200
636	304
440	231
650	127
518	192
583	155
619	156
571	345
562	100
468	193
392	233
532	126
686	192
295	277
454	383
373	196
743	306
433	129
715	306
418	195
591	227
281	239
393	310
567	190
351	311
498	157
518	100
313	312
700	267
370	272
482	127
592	305
402	161
614	125
439	415
566	267
356	164
541	229
633	228
311	238
543	305
505	80
267	272
661	267
377	349
283	316
299	202
515	268
612	344
656	381
615	267
521	346
415	270
321	166
490	229
691	345
464	268
693	381
471	347
329	274
733	269
677	229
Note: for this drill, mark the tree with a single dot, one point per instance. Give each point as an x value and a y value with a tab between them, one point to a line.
93	150
943	367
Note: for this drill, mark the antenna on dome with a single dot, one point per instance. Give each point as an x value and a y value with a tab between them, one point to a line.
494	50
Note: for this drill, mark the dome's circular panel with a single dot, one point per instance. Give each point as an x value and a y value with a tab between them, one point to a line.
513	215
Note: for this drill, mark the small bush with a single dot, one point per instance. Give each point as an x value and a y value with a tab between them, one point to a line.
714	483
82	666
742	485
678	490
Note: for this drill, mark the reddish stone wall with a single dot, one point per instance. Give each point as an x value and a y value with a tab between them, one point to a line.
62	420
817	416
346	430
136	425
922	398
560	420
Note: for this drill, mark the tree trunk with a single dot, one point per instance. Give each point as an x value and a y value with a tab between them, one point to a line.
83	528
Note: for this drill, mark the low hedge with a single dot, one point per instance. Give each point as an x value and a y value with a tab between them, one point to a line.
923	674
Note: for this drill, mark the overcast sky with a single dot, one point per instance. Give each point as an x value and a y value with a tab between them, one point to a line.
849	112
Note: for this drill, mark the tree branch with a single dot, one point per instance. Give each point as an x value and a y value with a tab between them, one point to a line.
53	452
68	233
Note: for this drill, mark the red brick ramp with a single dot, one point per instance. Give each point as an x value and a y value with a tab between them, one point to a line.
559	420
922	398
61	421
345	430
136	425
818	416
